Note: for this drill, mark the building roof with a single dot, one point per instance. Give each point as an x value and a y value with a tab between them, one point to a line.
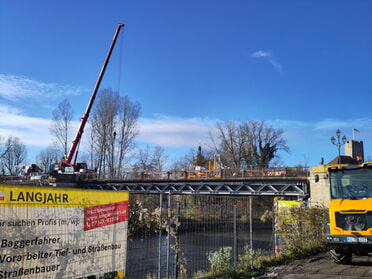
343	160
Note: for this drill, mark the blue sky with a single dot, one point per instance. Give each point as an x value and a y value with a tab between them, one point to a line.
302	66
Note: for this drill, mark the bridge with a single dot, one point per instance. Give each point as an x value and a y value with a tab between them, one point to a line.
256	186
264	182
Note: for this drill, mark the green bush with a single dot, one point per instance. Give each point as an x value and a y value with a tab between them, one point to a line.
251	258
303	231
220	260
303	228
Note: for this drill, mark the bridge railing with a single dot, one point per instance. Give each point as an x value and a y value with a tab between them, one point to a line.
220	173
188	174
32	179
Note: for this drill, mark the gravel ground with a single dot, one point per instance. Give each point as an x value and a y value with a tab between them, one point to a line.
321	266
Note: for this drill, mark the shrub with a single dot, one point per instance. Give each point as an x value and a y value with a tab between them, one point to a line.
220	260
252	257
303	228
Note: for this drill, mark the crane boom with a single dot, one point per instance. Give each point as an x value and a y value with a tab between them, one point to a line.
85	116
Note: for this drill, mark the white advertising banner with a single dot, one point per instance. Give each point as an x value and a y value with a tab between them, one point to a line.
61	233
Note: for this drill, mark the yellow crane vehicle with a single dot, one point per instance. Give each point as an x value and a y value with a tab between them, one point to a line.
350	210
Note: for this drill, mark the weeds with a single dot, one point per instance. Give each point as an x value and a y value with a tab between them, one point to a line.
220	260
304	235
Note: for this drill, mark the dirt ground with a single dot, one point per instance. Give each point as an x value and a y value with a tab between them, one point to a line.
321	266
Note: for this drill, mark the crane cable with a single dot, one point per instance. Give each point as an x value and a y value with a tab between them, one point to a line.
120	59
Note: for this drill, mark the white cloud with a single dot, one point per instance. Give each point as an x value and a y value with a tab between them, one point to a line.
261	53
178	135
25	108
330	125
181	132
31	130
269	57
289	124
175	132
13	87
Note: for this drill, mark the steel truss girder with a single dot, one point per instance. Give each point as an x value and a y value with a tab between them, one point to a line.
205	187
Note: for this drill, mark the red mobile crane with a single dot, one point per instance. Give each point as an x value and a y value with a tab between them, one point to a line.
69	165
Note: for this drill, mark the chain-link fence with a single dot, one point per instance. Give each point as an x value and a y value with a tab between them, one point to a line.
176	236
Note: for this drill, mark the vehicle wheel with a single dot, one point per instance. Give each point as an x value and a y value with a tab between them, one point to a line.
340	257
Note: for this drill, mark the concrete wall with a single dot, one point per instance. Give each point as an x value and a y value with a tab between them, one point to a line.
319	191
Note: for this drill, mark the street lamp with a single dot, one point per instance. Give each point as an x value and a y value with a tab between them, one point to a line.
338	143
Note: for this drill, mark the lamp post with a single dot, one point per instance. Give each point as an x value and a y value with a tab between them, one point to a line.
338	143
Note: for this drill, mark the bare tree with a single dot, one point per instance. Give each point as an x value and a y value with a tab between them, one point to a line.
103	128
60	127
184	163
158	158
92	140
150	160
47	156
265	142
2	154
247	144
14	156
113	128
229	141
143	163
2	147
127	129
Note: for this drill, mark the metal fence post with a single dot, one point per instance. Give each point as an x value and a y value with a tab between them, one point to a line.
160	234
235	236
169	234
250	230
176	267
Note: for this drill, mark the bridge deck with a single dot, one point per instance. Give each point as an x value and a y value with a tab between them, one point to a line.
269	186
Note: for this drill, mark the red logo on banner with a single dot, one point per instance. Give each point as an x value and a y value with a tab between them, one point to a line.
1	195
104	215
